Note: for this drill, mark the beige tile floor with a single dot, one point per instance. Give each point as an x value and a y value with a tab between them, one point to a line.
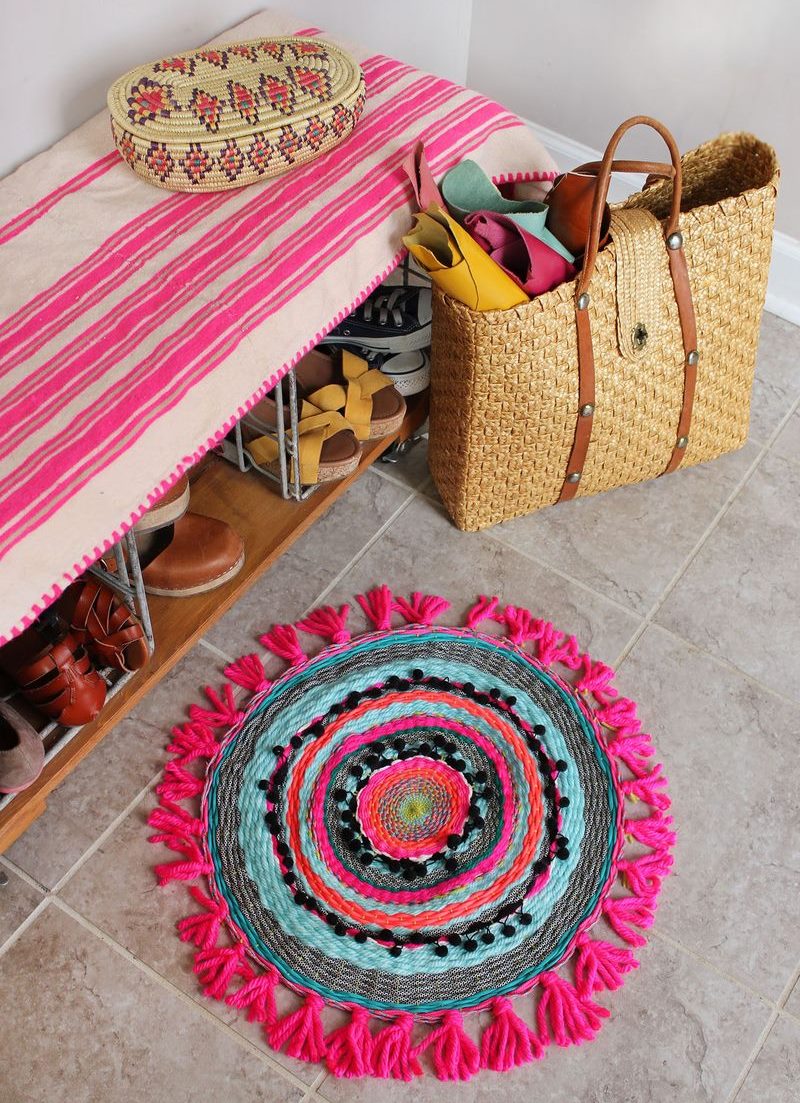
690	585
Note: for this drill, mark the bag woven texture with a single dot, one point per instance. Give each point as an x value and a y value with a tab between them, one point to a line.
226	116
504	383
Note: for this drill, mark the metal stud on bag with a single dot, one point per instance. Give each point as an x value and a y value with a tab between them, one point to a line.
574	477
583	301
693	358
682	442
587	410
675	241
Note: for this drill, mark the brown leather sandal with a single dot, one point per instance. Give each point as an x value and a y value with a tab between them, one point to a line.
56	675
101	621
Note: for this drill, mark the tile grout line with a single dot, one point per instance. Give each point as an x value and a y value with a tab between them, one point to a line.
643	620
392	478
562	574
187	1000
202	642
708	531
726	664
779	1011
92	849
730	977
51	893
376	536
751	1060
316	1084
23	874
28	921
787	991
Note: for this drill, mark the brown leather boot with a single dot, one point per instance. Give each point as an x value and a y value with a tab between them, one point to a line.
192	556
21	751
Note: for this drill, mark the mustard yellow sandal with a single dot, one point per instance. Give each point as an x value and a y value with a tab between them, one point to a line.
372	406
328	449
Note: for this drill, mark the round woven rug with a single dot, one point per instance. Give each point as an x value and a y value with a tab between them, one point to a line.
414	824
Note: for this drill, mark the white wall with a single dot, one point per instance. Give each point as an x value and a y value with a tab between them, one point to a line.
701	66
60	56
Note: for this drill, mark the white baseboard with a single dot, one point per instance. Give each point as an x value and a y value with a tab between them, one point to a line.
783	290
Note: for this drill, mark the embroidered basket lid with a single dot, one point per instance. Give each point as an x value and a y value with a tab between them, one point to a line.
223	116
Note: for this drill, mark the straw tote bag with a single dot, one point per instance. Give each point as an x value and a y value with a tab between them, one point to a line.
641	365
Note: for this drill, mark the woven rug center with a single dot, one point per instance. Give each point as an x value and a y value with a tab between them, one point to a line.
410	809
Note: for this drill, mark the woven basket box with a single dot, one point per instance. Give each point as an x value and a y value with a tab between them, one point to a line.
226	116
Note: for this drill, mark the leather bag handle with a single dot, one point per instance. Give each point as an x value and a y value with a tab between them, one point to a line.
606	167
652	168
680	282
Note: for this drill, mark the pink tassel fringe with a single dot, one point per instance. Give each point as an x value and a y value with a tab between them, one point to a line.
393	1056
178	783
651	788
643	876
634	752
554	647
422	609
301	1031
600	965
327	623
652	831
257	997
564	1015
192	867
248	672
350	1047
485	608
192	741
508	1042
521	624
216	968
596	679
174	821
621	715
378	604
223	712
625	912
455	1055
282	641
203	929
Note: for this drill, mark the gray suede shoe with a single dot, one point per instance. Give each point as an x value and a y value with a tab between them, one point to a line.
21	751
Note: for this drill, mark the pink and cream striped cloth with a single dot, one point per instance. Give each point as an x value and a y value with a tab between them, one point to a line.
138	325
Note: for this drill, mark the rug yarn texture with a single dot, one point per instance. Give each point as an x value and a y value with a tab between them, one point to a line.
414	824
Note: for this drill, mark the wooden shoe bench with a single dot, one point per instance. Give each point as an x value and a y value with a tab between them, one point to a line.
268	525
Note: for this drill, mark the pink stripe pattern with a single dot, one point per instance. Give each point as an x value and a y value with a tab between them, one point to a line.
44	206
132	343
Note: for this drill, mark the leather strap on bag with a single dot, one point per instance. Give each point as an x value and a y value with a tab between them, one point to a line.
680	280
